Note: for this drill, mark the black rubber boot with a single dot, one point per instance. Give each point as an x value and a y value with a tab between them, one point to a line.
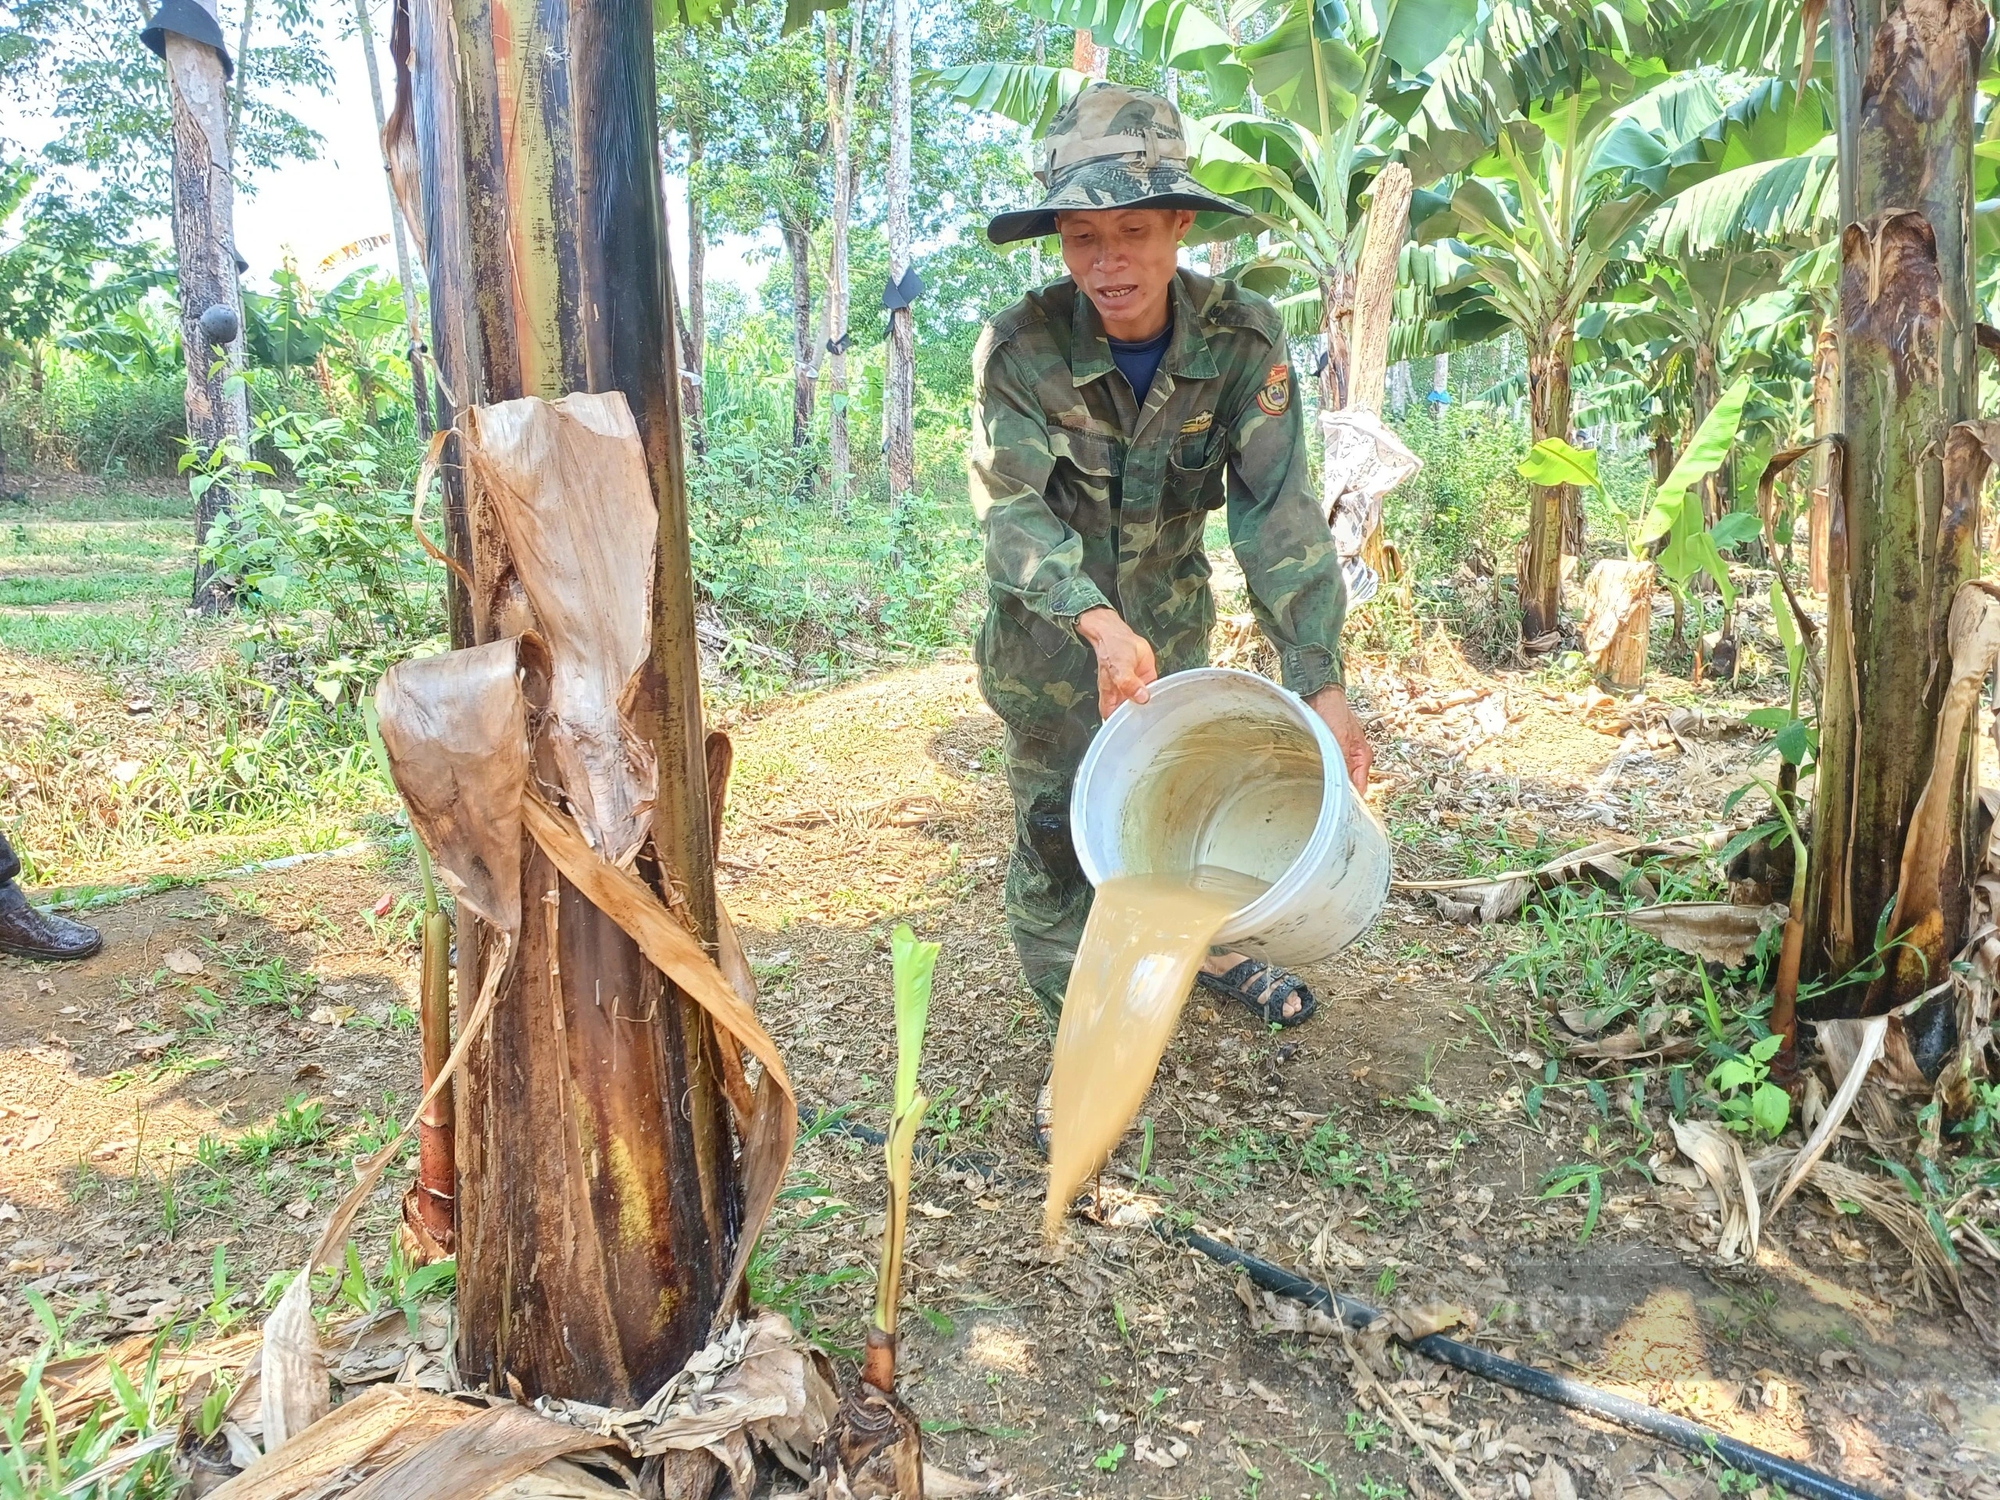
27	933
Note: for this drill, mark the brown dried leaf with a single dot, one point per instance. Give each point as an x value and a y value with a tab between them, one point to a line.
456	729
1711	930
567	484
476	1456
1719	1156
295	1389
356	1438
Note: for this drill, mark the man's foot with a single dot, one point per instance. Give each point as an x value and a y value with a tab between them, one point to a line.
1267	992
27	933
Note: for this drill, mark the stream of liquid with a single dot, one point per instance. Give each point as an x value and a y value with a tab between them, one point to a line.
1146	936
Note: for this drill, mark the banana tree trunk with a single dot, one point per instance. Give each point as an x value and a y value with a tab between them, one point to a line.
1549	402
597	1198
1903	526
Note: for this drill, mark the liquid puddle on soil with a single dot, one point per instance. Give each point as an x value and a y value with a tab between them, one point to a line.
1146	936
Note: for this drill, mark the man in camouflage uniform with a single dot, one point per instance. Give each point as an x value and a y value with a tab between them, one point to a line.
1114	411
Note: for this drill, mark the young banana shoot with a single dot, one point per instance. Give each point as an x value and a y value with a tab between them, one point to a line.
874	1448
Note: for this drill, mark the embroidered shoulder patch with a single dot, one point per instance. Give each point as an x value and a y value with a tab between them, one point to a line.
1276	395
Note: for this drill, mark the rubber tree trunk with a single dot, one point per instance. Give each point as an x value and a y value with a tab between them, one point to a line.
805	372
843	67
419	397
1549	402
1902	534
205	249
900	407
597	1201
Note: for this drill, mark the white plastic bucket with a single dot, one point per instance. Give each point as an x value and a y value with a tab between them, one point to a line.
1227	768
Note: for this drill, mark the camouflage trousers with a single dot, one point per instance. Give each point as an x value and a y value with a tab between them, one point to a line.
1048	898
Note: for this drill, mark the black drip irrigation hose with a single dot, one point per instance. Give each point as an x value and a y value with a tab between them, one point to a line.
1689	1437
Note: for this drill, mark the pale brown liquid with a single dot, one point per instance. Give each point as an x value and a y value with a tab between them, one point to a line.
1146	936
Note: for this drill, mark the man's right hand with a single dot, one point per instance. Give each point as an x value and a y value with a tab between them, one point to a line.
1124	659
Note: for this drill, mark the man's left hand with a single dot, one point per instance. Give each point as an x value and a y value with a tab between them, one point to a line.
1330	703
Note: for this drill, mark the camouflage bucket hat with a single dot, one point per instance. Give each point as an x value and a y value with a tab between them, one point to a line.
1110	147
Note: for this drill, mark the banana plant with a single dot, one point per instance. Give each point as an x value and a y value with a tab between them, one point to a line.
1562	194
873	1449
1674	525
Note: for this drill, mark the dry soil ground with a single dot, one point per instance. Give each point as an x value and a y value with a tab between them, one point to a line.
195	1090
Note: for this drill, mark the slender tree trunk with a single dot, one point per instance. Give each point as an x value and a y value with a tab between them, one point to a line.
798	247
900	407
205	247
1904	524
1826	419
1088	58
241	91
1541	554
597	1198
1375	288
419	396
694	333
842	72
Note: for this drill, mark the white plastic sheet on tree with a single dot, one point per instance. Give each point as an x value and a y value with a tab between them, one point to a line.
1364	460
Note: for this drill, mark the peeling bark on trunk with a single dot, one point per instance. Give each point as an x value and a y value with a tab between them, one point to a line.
597	1194
1336	317
1618	623
1375	288
1902	537
1549	400
205	250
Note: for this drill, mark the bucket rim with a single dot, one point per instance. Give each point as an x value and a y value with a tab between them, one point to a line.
1336	797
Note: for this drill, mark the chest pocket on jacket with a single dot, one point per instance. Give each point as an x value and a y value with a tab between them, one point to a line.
1195	469
1084	489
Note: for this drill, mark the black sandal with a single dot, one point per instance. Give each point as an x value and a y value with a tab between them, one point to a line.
1263	989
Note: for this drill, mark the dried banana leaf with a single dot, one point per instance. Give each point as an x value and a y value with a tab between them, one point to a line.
373	1429
1973	633
490	1449
1713	930
1869	1048
561	478
1719	1156
456	729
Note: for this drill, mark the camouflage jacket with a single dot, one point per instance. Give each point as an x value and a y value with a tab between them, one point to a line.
1085	499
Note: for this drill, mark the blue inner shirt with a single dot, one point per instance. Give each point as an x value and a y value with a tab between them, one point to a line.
1140	362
